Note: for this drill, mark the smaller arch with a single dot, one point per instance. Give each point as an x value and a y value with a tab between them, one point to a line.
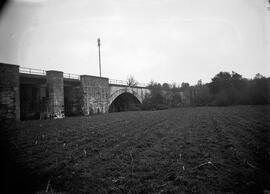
121	91
124	100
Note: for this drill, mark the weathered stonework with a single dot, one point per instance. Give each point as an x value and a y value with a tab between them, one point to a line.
9	92
95	94
56	93
39	95
116	90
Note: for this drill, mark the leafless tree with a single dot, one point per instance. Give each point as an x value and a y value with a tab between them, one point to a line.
131	81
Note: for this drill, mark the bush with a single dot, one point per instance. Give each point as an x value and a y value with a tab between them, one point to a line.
225	89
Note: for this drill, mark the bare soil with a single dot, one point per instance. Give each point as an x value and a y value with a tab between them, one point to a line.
183	150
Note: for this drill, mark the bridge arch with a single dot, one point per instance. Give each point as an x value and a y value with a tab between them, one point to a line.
122	95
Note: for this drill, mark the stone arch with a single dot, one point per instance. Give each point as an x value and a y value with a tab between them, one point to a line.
117	93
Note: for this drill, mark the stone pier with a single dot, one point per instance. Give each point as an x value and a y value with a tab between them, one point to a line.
95	94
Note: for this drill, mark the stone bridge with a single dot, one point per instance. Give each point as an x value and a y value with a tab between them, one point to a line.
117	90
33	94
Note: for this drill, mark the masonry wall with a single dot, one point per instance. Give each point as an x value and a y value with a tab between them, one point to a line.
9	92
95	94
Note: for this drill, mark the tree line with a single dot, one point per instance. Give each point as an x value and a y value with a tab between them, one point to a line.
225	89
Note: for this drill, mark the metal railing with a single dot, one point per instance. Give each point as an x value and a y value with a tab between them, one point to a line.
142	85
71	76
125	83
32	71
118	82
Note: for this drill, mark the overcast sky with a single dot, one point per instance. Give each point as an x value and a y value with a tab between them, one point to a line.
160	40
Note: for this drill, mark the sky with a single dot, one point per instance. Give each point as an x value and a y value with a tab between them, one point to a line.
161	40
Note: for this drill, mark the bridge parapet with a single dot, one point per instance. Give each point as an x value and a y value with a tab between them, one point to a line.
125	83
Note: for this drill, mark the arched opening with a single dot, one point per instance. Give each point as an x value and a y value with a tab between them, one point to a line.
125	102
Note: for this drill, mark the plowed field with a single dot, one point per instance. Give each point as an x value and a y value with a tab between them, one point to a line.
184	150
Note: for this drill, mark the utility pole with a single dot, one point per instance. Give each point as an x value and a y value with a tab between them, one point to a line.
98	40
